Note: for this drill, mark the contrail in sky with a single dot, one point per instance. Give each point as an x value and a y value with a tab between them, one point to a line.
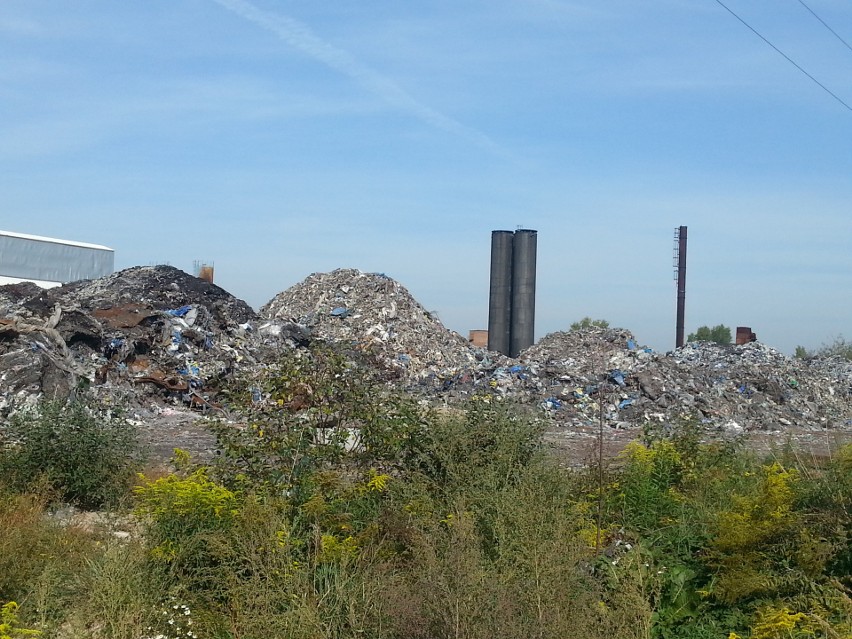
301	37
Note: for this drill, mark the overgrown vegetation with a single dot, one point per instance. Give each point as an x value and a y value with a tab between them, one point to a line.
720	334
86	454
338	509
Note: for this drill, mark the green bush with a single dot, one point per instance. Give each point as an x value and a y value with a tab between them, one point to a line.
320	410
86	454
481	445
720	334
181	515
10	627
588	322
118	593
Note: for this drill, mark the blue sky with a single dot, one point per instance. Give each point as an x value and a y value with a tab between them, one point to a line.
276	138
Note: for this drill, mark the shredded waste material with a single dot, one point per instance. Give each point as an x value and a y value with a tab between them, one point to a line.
158	340
376	314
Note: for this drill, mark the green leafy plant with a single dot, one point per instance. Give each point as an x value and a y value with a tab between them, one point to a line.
174	621
588	322
87	454
321	409
180	508
802	353
720	334
10	627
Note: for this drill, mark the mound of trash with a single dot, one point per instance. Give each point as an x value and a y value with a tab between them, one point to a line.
731	388
157	287
377	315
144	331
156	339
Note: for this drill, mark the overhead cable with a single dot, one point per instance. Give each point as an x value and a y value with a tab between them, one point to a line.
786	57
836	35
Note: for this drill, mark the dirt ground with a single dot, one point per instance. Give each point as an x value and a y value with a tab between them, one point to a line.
575	447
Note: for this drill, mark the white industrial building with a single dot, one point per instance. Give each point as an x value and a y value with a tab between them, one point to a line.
49	262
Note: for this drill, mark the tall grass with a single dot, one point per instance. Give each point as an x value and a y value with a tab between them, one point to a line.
472	531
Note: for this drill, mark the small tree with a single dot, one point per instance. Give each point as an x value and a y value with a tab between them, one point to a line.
720	334
588	322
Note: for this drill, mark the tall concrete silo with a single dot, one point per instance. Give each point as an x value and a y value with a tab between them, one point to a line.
511	303
523	290
500	296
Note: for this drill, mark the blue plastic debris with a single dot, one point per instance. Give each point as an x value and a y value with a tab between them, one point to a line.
340	311
190	369
624	403
631	345
113	347
552	403
179	312
617	377
516	368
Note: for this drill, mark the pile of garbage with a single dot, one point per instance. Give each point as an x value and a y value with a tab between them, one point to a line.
377	315
156	336
145	332
595	372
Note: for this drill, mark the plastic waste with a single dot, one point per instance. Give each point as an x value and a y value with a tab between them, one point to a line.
179	312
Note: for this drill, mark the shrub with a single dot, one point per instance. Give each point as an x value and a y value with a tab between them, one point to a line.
588	322
117	592
483	445
720	334
38	556
87	455
317	411
179	511
839	347
10	628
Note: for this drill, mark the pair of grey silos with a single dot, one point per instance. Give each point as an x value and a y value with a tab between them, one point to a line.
511	304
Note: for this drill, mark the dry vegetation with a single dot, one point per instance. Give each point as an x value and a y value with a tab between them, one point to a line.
339	510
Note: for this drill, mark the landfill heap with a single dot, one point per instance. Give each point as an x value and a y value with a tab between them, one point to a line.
150	337
592	373
377	315
139	334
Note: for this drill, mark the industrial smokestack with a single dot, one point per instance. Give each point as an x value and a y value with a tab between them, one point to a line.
500	296
523	290
680	254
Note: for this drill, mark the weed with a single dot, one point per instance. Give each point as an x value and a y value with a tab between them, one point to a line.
86	454
10	627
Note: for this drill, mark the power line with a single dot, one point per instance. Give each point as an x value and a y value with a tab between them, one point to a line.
786	57
836	35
